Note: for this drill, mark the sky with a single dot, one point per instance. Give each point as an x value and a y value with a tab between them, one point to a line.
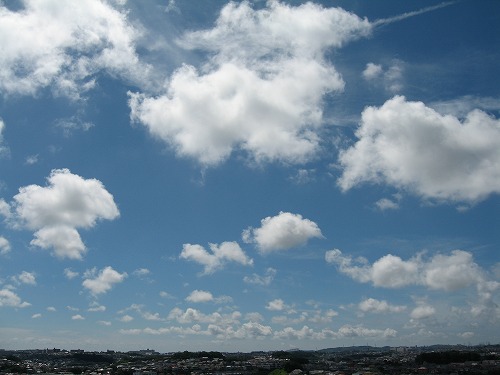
239	176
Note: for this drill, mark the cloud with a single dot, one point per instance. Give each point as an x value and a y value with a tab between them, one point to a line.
199	296
51	309
422	312
70	125
442	272
261	280
4	246
411	146
141	272
282	232
126	318
36	316
376	306
70	274
10	299
191	315
276	305
387	21
31	159
96	307
5	209
104	281
219	256
358	331
56	211
77	317
64	45
460	107
164	294
391	78
4	150
25	277
372	71
452	272
261	91
388	204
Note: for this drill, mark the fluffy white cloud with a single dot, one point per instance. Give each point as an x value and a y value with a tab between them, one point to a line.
11	299
200	296
393	272
104	281
4	246
358	331
5	210
191	315
96	307
261	280
70	274
391	79
3	149
77	317
276	305
442	272
26	277
57	210
126	318
63	44
141	272
377	306
219	256
422	312
282	232
389	204
261	92
411	146
452	272
372	71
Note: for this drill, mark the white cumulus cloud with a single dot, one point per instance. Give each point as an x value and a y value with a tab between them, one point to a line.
3	149
260	92
104	281
217	258
441	272
276	305
200	296
264	280
4	246
63	45
11	299
55	211
70	274
26	277
377	306
422	312
412	147
372	71
282	232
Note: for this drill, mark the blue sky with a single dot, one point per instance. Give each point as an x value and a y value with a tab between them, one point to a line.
242	176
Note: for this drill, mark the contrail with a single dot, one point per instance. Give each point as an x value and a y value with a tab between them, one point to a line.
386	21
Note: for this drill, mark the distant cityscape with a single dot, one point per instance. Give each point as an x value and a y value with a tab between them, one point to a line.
368	360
